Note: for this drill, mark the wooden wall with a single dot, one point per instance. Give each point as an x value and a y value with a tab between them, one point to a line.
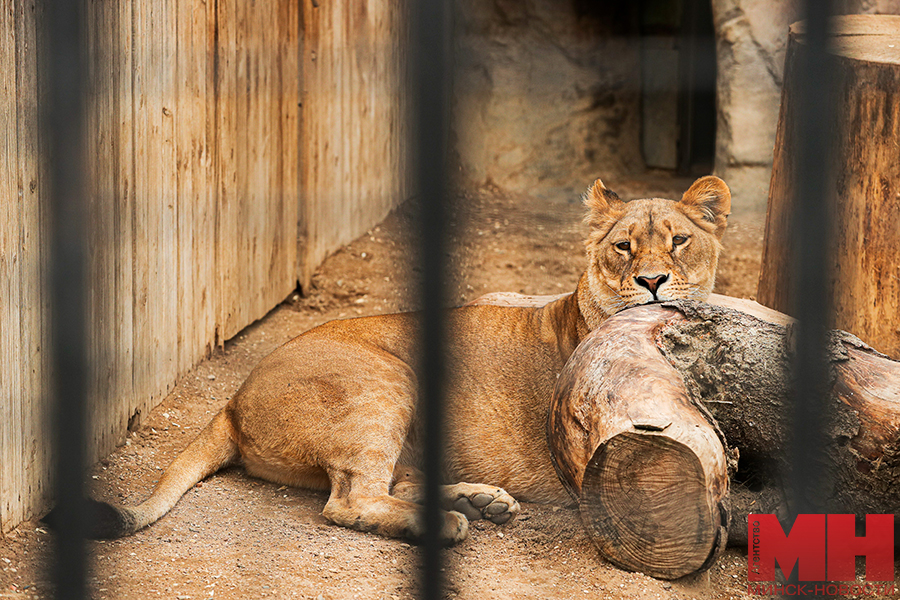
212	192
354	121
24	331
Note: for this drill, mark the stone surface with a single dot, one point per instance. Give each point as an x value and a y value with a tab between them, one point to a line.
547	93
751	39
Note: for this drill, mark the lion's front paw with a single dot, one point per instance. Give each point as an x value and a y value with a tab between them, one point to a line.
483	502
456	527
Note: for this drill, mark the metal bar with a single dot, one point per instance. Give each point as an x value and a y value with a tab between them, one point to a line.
811	276
430	50
62	122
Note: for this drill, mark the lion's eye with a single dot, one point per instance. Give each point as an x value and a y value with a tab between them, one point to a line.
623	246
679	240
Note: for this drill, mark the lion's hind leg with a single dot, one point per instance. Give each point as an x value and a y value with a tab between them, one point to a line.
474	500
360	502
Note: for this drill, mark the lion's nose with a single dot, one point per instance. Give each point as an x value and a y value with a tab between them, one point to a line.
652	283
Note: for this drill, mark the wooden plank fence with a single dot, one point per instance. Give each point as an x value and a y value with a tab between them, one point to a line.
232	145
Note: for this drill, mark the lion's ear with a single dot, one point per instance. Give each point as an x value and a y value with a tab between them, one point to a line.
601	199
708	203
604	206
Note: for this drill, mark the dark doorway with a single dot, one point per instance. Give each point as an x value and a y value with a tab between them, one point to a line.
678	78
697	89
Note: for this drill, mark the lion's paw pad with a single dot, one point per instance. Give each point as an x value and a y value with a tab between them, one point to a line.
497	506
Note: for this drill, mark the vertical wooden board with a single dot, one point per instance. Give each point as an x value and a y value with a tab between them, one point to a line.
157	173
289	136
122	69
320	119
190	129
240	228
271	271
258	270
388	99
342	155
350	156
379	58
44	234
30	282
206	270
168	194
183	120
226	171
101	165
255	201
10	359
235	164
145	223
285	100
282	272
198	254
308	151
334	207
385	99
402	144
353	133
319	90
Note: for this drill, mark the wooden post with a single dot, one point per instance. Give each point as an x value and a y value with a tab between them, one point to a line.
864	179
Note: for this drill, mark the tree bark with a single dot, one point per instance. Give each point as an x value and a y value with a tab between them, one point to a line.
863	179
649	470
652	410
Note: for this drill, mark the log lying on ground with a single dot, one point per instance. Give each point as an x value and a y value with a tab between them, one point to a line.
738	367
640	406
649	470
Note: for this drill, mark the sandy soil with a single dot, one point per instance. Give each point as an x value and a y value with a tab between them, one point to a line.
233	536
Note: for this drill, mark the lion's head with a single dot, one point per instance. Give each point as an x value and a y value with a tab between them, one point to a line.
651	249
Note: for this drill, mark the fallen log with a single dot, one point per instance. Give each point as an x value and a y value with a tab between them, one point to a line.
648	469
639	405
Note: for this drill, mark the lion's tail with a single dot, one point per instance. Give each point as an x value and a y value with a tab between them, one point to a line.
212	450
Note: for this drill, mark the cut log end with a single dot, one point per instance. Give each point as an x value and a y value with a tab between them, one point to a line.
647	505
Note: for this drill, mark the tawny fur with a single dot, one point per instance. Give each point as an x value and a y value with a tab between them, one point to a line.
334	408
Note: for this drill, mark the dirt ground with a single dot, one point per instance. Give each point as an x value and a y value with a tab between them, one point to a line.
233	536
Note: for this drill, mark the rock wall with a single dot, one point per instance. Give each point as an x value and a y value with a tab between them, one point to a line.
547	93
751	39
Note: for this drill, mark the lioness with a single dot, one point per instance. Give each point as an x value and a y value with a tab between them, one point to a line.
334	408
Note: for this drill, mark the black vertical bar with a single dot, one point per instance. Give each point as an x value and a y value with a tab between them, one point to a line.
811	280
431	53
63	131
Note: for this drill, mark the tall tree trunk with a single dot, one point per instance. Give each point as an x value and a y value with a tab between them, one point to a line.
864	180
